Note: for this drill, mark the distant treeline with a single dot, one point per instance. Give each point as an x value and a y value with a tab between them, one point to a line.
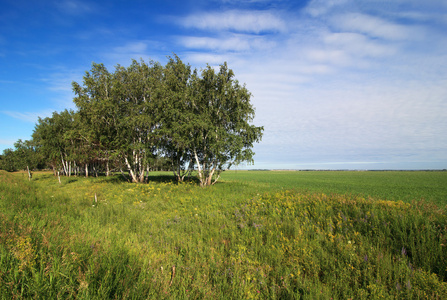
145	117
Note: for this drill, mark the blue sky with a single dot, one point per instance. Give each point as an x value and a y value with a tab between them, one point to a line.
337	84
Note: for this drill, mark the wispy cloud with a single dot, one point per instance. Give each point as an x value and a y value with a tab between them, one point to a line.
132	48
233	42
375	27
75	7
236	20
135	49
58	80
7	82
199	59
373	110
317	8
7	143
356	44
30	117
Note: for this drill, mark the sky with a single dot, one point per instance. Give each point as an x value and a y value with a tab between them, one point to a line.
337	84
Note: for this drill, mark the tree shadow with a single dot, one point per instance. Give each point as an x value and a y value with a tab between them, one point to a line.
171	179
118	178
42	177
161	178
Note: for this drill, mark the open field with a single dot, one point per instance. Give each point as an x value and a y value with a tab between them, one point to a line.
255	235
388	185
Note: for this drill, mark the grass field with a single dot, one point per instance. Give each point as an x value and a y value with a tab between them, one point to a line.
390	185
254	235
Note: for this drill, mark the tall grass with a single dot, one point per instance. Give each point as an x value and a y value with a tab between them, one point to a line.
234	240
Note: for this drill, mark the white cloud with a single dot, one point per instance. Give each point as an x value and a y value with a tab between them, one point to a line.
7	142
331	51
331	56
236	20
199	59
374	26
317	8
136	49
230	43
346	117
30	117
313	107
58	81
358	44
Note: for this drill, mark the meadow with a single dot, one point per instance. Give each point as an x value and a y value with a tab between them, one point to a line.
254	235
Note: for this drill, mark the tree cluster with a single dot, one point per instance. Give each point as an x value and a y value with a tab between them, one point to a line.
24	157
148	116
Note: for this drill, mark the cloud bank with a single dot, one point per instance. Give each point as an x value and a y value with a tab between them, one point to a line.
336	84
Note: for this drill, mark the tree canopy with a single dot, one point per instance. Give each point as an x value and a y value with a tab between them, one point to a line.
146	115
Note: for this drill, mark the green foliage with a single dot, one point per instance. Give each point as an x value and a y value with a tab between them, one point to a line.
8	160
178	122
221	133
146	110
54	139
96	238
145	117
24	156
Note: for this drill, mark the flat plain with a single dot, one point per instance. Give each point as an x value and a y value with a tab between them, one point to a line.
254	235
387	185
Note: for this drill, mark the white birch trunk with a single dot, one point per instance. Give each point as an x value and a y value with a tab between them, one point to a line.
198	166
66	168
210	176
140	169
63	164
132	174
29	173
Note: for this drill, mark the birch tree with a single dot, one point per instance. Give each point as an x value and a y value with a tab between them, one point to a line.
138	89
177	122
26	158
8	160
50	135
222	134
98	116
121	109
196	120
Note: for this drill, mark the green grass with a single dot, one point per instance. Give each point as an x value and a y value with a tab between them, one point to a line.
390	185
255	235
